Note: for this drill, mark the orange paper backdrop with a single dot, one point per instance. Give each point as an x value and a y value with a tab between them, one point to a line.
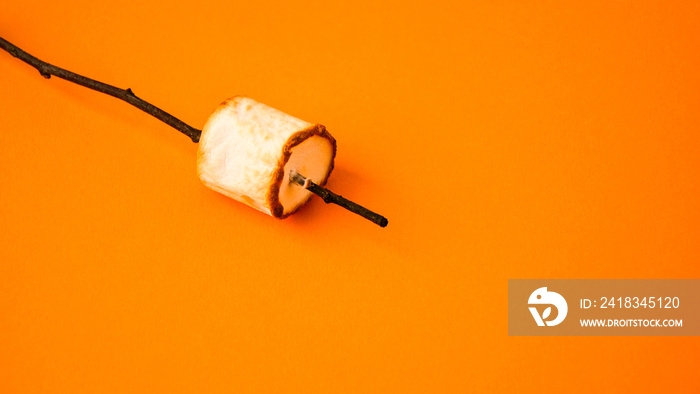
503	140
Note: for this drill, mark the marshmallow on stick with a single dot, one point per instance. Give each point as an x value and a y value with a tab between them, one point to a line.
248	150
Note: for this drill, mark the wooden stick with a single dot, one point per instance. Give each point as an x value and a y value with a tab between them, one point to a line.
330	197
47	70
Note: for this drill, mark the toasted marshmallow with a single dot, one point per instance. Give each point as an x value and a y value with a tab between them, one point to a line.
247	151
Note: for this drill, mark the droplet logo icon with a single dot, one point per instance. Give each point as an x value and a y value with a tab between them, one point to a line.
543	297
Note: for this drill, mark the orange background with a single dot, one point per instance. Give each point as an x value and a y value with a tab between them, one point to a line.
509	140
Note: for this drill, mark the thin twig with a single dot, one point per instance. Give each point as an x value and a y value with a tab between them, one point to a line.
47	70
330	197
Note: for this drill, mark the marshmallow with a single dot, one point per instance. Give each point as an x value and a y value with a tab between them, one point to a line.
247	151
